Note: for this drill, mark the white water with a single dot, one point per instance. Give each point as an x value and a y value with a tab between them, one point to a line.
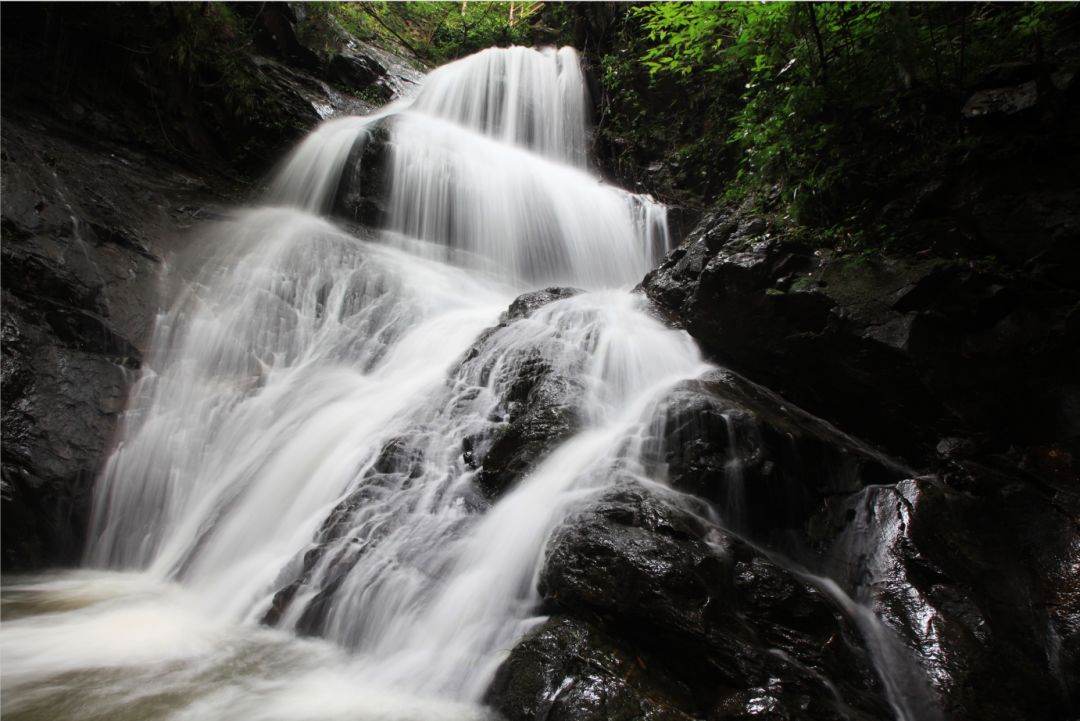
303	416
292	358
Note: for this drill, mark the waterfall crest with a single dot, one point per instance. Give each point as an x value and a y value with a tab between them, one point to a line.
486	169
535	100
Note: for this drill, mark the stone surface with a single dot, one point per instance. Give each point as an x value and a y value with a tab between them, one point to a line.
903	350
662	615
964	368
974	583
362	193
85	228
765	464
570	670
541	405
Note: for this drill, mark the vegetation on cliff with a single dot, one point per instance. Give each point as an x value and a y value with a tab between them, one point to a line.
432	32
826	110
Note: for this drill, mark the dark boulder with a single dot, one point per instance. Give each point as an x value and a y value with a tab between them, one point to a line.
526	303
61	400
569	670
632	557
540	403
765	464
979	584
545	415
362	191
662	615
906	351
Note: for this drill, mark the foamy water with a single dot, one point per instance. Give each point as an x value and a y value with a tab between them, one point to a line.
295	448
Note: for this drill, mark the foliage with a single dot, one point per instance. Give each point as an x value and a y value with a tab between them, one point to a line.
436	32
209	49
835	101
207	93
655	133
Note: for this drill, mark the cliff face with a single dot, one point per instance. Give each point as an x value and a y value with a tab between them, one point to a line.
112	150
967	373
959	356
86	227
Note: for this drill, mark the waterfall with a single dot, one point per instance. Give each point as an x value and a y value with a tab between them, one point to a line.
296	442
297	448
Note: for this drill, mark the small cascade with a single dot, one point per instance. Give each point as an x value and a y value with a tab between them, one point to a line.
539	221
486	169
534	100
309	177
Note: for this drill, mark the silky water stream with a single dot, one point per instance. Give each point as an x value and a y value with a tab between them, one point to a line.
293	448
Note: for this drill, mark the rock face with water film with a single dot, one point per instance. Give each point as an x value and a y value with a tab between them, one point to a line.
673	620
913	354
692	602
85	229
537	408
980	584
766	464
542	408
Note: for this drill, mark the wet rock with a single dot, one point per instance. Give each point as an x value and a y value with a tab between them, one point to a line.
568	669
717	630
545	417
764	463
84	226
372	74
542	405
960	366
979	585
633	556
337	547
358	71
926	339
525	304
538	411
362	192
59	407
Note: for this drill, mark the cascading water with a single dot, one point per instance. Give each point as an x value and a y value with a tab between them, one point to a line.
296	448
257	436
